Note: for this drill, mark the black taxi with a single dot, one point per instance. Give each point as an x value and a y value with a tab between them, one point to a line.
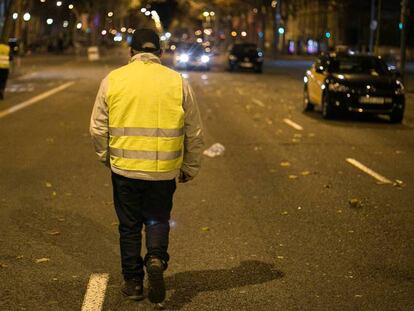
341	83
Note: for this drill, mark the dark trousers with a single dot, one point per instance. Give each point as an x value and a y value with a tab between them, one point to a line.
137	203
4	75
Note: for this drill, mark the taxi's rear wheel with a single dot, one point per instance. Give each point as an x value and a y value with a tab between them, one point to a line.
307	105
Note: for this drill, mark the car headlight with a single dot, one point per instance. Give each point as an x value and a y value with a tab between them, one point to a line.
399	90
336	87
205	59
184	58
232	57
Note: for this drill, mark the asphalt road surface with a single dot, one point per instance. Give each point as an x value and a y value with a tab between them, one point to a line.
290	217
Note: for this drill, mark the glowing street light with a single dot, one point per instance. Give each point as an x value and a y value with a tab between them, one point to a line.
110	14
104	32
212	13
206	14
43	1
27	17
147	13
79	25
234	34
123	29
15	15
58	3
143	10
243	34
70	6
49	21
65	24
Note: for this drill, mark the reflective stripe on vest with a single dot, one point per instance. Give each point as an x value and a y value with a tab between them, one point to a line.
4	56
146	118
152	132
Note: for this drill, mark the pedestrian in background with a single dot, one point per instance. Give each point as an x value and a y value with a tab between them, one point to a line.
146	126
4	66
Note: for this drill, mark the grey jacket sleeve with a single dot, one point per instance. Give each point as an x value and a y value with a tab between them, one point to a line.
99	126
193	133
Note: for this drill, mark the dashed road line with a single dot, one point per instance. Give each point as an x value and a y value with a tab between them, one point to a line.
293	124
35	99
95	293
368	171
258	102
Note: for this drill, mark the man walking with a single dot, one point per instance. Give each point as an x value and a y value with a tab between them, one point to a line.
4	67
146	126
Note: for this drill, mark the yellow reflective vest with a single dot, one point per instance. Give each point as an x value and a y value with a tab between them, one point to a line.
146	118
4	56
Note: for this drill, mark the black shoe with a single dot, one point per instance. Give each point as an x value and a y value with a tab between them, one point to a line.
133	289
155	271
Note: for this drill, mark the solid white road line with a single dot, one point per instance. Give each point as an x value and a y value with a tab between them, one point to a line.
368	171
35	99
258	102
95	293
293	124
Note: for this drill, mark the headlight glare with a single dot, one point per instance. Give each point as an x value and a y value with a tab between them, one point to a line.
184	58
205	59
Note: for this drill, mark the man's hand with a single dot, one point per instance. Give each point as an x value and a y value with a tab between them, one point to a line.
184	177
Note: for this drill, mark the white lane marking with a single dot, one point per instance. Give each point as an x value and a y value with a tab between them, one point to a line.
35	99
368	171
258	102
293	124
95	293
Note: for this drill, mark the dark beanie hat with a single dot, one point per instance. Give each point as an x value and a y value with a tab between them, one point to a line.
145	40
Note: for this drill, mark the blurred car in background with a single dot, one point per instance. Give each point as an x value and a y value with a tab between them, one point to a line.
245	56
340	83
191	56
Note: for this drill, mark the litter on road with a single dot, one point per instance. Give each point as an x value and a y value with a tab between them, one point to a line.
215	150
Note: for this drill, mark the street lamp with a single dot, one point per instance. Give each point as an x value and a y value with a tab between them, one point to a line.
65	24
58	3
79	25
143	10
70	6
49	21
110	14
104	32
206	14
15	15
27	17
212	13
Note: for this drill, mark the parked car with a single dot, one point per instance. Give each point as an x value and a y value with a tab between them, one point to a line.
245	56
340	83
191	56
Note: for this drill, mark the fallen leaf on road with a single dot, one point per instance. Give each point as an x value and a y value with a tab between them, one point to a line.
297	135
299	207
294	140
114	224
358	296
355	203
41	260
159	306
293	177
54	193
3	265
285	164
48	185
61	219
284	213
243	291
55	279
205	229
20	257
280	257
257	148
53	232
305	173
398	152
